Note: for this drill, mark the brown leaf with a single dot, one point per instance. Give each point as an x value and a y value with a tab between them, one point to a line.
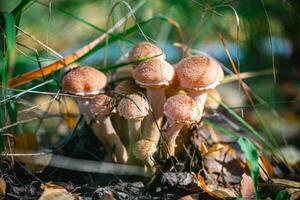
247	187
52	191
224	161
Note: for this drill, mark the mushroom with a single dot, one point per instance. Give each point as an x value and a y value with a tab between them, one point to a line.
180	110
124	87
133	108
101	107
154	75
127	87
145	50
86	82
143	150
197	74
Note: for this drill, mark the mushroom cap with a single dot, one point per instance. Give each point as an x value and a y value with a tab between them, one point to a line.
154	73
213	99
143	149
182	109
198	72
127	87
101	105
84	81
145	50
133	106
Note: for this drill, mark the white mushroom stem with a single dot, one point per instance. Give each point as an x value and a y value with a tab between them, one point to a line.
170	138
83	105
105	132
200	97
156	98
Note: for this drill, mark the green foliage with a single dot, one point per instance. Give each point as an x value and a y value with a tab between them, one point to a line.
251	154
8	25
282	195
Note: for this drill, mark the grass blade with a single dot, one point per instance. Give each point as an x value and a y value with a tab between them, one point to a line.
251	154
7	23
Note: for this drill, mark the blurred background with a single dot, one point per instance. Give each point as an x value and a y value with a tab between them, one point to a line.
262	36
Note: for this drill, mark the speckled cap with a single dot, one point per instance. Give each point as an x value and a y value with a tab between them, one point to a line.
154	73
133	106
182	109
198	72
143	149
127	87
84	81
145	50
101	105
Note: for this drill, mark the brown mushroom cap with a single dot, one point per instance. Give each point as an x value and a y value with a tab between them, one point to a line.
84	81
145	50
182	109
133	107
127	87
154	73
198	72
143	149
101	105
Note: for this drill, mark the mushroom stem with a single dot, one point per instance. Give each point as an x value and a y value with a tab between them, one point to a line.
104	130
200	97
156	98
170	138
135	132
83	105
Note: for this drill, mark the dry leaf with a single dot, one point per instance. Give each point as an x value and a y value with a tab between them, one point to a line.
247	187
52	191
285	183
223	160
221	192
2	188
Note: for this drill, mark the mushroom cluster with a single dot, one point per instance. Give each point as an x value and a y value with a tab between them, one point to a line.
132	132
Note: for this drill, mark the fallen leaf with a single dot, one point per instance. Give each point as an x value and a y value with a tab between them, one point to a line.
247	187
224	161
52	191
221	192
285	183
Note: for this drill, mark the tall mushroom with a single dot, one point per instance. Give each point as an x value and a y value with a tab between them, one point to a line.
154	75
87	82
145	50
101	107
180	110
133	108
197	74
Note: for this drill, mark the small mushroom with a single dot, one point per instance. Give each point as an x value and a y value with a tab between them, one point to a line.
154	75
197	74
145	50
87	82
133	108
101	107
84	82
126	87
143	150
180	110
